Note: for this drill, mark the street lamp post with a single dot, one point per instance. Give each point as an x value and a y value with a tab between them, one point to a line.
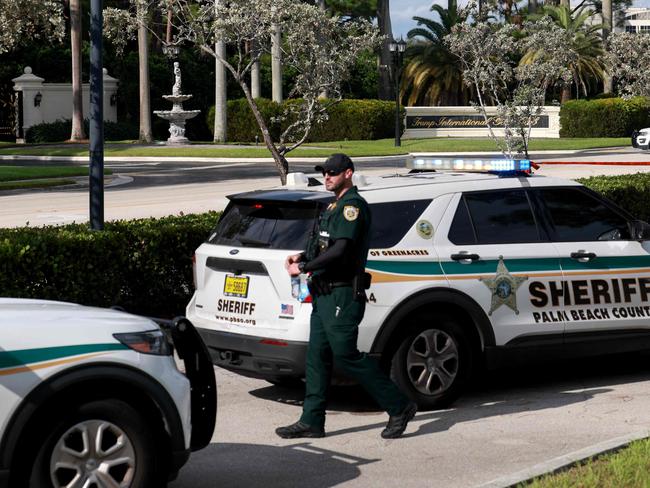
397	49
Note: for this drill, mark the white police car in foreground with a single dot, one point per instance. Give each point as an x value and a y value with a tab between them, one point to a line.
468	268
92	397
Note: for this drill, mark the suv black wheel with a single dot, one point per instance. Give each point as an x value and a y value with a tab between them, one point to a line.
433	362
101	443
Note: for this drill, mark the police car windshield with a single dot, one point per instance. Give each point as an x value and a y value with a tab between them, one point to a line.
282	225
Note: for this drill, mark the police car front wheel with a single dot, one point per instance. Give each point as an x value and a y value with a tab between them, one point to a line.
432	364
101	443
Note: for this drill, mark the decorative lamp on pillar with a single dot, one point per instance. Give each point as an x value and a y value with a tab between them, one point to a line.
397	49
37	99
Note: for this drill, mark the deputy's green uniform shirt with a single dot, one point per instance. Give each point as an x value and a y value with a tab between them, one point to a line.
335	317
346	218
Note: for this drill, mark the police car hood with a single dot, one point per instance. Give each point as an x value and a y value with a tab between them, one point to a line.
59	318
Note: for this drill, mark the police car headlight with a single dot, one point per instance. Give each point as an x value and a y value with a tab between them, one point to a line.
149	342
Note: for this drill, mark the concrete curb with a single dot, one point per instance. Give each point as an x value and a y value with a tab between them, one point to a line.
567	461
396	157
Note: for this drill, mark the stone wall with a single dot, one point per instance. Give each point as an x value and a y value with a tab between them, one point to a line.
48	102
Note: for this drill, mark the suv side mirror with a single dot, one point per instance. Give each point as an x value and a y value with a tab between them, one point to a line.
639	230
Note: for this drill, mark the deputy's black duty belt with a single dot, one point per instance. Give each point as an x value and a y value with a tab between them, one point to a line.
337	284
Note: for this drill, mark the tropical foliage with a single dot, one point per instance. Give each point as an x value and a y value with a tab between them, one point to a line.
433	74
22	20
489	52
584	41
624	59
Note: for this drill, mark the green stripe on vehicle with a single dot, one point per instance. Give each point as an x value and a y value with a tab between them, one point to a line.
22	357
524	265
610	262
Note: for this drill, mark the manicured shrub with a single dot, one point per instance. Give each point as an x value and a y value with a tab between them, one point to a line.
59	131
606	117
348	119
242	126
631	192
142	265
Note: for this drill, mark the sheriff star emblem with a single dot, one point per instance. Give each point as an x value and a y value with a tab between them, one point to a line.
503	287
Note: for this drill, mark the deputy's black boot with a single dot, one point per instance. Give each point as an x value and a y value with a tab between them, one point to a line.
397	423
299	429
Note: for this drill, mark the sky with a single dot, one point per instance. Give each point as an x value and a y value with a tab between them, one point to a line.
403	11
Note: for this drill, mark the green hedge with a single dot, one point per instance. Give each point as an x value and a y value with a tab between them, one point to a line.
348	119
145	265
607	117
60	130
142	265
631	192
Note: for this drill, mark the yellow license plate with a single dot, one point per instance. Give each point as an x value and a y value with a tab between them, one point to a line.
236	286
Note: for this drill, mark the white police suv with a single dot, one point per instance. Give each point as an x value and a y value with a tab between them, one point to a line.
92	397
472	262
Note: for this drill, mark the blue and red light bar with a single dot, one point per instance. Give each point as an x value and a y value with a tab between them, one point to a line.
505	166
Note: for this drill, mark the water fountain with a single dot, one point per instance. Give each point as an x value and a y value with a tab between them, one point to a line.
177	115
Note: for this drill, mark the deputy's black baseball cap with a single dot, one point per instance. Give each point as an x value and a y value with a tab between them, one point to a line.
337	162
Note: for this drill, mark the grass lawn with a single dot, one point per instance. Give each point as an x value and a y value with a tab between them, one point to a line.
13	173
381	147
19	185
627	468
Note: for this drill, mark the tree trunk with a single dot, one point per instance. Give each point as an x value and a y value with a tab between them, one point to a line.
565	3
255	74
385	89
276	66
77	133
280	161
608	82
566	94
220	98
255	80
143	78
532	6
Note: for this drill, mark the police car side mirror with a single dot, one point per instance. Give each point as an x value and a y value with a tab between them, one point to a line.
639	230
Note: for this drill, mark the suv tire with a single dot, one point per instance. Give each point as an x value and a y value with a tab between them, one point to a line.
128	447
433	362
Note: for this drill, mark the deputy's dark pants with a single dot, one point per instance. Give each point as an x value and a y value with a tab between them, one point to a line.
333	338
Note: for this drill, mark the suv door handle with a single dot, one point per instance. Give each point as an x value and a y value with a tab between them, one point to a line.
465	257
583	256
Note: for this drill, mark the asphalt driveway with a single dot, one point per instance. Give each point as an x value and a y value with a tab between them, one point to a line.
512	424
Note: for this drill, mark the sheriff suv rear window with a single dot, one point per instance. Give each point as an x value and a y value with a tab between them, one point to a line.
269	226
391	220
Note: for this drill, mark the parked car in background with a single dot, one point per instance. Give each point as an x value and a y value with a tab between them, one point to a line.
93	397
641	138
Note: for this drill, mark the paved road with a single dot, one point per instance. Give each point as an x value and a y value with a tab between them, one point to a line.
145	188
512	422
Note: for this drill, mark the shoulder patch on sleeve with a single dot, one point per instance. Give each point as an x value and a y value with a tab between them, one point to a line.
350	212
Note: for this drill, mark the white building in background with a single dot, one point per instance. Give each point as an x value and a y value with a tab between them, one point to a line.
636	20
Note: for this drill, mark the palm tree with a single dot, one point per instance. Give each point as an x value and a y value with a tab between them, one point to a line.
77	132
145	133
586	43
433	75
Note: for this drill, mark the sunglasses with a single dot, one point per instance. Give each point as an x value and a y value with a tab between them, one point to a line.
331	172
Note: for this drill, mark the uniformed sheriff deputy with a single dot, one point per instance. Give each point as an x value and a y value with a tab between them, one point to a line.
336	259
